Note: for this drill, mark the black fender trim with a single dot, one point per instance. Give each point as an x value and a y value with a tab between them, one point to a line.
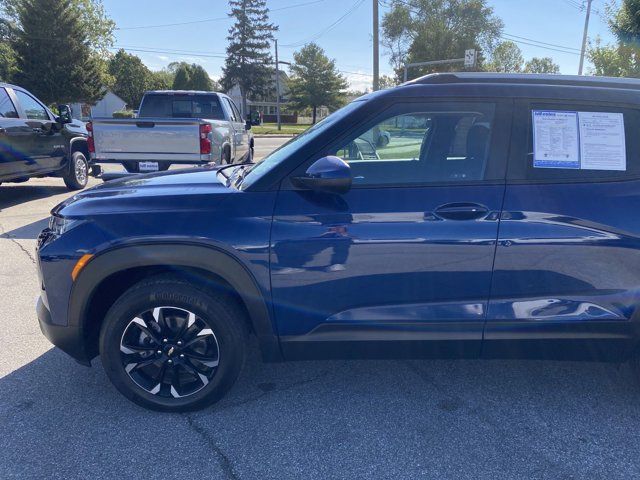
211	259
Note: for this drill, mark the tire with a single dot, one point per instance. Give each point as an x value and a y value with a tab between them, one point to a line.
249	157
226	156
162	307
77	176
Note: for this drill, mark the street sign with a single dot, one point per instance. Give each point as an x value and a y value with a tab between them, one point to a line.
470	58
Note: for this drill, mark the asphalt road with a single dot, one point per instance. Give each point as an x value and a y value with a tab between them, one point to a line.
308	420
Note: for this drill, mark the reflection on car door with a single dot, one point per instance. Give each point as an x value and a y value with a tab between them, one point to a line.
566	271
47	146
404	258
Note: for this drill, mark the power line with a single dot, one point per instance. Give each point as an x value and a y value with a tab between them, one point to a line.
541	43
541	46
168	52
326	29
216	19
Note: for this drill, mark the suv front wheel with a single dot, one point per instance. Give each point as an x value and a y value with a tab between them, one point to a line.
169	345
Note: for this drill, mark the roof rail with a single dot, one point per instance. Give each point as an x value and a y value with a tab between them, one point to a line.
527	79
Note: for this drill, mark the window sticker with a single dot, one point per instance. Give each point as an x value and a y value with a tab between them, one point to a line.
579	140
602	144
555	139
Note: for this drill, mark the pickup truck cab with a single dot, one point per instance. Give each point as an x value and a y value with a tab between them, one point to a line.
499	221
174	126
36	143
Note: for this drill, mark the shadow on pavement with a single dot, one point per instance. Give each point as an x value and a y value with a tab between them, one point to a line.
334	419
11	195
27	232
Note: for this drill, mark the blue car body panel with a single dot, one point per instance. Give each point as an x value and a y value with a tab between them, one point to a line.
549	269
381	260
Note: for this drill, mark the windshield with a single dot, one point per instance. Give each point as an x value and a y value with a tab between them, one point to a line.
170	105
279	155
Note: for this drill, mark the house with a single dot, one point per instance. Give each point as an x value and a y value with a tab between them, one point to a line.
268	106
104	108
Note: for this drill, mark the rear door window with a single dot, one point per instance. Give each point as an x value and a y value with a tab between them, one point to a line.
232	113
181	106
236	112
7	109
574	142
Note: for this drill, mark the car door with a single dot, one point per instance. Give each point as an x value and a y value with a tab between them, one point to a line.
404	259
47	146
240	133
15	137
567	267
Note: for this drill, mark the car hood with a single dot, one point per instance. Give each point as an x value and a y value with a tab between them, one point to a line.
193	188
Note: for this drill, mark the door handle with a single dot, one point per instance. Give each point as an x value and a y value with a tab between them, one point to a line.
461	211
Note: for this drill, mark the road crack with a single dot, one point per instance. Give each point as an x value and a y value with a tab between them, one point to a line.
223	460
18	244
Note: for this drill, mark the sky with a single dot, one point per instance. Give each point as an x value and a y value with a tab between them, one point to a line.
164	31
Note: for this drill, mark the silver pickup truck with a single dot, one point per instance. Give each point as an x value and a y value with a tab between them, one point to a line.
173	126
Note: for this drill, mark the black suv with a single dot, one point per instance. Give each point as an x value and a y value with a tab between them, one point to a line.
36	143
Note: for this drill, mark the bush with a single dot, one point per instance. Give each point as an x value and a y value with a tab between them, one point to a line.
123	114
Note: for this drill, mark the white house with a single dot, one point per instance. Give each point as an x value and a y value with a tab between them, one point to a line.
104	108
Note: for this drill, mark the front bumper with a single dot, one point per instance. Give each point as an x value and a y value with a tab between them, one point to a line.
69	339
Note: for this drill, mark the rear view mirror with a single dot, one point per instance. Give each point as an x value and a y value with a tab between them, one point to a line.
64	114
328	174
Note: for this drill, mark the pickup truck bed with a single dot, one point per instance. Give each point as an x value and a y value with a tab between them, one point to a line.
148	139
174	126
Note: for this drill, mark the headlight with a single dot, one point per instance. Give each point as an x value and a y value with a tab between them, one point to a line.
60	225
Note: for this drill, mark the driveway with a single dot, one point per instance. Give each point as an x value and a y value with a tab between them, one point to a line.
324	420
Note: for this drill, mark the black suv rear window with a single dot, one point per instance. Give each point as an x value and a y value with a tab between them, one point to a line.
181	106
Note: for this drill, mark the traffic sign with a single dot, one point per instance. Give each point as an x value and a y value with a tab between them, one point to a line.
470	58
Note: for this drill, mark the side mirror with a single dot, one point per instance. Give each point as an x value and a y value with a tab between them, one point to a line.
64	114
247	125
328	174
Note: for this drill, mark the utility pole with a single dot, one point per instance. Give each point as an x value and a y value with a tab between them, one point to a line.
584	36
376	47
278	89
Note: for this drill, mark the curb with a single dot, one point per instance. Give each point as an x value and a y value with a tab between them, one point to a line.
275	135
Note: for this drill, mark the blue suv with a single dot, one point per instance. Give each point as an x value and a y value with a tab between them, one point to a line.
497	219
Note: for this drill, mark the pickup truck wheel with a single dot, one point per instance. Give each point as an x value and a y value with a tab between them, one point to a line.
77	176
168	345
226	156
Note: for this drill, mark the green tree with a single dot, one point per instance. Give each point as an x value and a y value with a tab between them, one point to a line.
99	27
426	30
387	81
190	77
63	70
506	58
541	65
248	62
7	62
131	77
7	54
315	81
621	59
161	80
